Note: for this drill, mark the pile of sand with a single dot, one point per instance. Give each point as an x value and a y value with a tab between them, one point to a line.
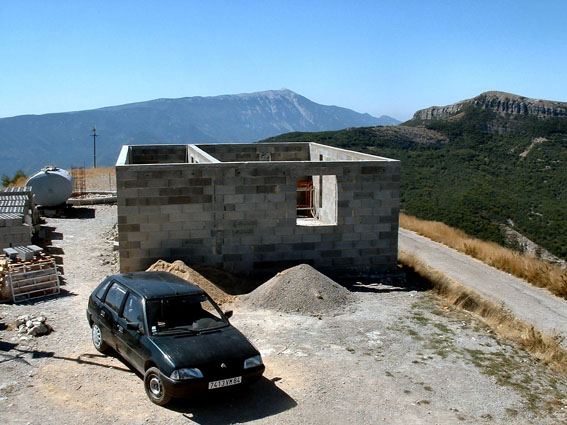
300	289
179	268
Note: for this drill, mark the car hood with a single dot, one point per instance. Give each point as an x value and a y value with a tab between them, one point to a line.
188	350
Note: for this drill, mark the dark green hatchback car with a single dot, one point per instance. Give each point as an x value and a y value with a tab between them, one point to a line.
172	332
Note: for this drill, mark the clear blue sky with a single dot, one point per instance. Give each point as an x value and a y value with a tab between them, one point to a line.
381	57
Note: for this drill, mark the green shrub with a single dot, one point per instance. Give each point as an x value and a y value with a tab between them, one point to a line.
7	181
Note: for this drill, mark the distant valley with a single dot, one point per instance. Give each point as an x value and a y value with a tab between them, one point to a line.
485	165
29	142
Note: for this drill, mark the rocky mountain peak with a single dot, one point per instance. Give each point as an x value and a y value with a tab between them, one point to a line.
499	102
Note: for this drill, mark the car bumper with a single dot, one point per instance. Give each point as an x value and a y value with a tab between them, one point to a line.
186	388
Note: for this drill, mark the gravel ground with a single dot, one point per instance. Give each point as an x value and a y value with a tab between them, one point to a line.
397	356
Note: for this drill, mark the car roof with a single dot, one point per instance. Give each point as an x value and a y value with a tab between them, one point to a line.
152	285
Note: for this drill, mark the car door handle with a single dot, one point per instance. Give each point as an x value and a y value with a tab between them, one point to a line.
102	313
120	329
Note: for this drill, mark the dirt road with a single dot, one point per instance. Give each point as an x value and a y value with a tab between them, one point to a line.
535	306
397	357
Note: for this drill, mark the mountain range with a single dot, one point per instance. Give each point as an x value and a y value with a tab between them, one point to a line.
29	142
488	165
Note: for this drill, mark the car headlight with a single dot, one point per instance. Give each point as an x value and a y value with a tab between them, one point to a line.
253	362
181	374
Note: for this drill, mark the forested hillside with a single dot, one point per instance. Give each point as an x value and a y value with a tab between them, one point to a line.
475	169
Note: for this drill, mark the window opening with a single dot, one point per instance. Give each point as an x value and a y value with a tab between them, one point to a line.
317	201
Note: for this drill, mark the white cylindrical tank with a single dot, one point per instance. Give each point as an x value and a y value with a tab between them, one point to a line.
51	186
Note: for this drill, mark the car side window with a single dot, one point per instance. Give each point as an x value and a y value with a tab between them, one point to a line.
133	309
115	296
102	289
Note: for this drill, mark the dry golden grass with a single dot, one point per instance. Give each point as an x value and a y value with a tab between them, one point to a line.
21	182
502	322
538	272
100	179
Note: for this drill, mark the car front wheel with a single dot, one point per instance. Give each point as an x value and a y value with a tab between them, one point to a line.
98	341
154	387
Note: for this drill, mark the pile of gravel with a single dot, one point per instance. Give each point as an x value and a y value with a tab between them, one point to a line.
300	289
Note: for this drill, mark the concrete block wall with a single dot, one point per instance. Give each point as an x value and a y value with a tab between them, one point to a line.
258	152
158	154
241	217
326	199
325	187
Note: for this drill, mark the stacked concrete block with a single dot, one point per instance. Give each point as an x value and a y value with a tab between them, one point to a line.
13	231
241	216
18	217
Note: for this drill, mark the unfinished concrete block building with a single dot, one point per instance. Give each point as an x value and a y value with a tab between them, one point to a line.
255	209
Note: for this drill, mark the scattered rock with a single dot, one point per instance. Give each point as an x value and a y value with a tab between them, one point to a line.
38	329
32	326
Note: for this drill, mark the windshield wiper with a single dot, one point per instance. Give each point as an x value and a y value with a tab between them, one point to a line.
176	330
216	328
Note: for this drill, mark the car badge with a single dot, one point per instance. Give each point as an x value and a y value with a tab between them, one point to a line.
223	365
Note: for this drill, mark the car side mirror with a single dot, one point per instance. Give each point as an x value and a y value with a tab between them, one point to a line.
228	314
135	326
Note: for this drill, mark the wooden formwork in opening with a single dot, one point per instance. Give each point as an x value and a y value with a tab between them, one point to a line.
305	206
80	187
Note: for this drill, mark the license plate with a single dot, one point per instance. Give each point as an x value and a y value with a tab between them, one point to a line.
225	382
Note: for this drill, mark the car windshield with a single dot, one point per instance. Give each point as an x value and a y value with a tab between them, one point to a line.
193	313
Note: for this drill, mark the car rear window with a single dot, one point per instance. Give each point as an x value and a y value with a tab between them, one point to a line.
115	296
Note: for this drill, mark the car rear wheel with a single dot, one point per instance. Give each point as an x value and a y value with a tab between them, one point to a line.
154	387
98	341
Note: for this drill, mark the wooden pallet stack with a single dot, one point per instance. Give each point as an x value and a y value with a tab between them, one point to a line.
26	280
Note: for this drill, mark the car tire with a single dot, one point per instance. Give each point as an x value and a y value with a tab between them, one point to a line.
98	341
155	388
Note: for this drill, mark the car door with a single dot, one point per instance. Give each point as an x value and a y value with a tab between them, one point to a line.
96	309
112	305
130	342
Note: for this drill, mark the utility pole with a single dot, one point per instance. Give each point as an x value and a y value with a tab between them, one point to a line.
94	144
